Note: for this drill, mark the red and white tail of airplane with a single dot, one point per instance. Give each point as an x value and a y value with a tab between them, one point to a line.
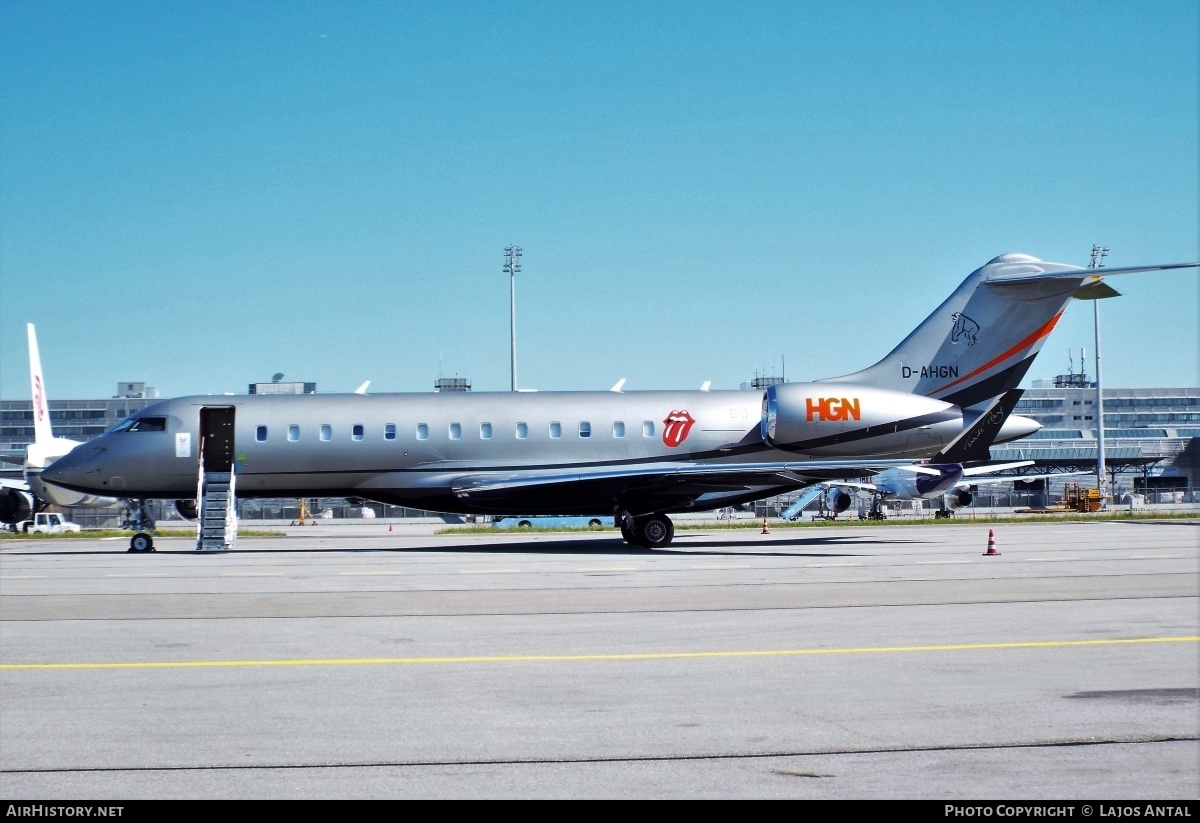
46	448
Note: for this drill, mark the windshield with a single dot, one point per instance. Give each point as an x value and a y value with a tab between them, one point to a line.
141	424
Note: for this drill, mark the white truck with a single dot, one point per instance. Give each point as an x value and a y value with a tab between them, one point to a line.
48	523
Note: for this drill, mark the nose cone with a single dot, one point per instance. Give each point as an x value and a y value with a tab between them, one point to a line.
79	470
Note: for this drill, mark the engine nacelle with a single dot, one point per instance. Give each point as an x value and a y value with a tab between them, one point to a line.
1016	427
187	509
837	500
15	506
847	419
958	498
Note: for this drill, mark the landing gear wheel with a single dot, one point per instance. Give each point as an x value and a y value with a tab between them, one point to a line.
141	542
655	531
628	534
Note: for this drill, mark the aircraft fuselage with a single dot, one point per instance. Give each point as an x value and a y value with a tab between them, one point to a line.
412	449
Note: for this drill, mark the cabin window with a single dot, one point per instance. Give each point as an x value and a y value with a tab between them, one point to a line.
389	431
326	431
260	434
293	432
485	431
585	428
618	428
647	428
356	433
522	431
556	429
422	431
455	431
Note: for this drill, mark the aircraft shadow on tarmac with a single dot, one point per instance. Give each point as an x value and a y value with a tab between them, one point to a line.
697	546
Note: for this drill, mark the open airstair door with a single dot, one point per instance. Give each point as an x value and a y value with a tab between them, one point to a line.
216	529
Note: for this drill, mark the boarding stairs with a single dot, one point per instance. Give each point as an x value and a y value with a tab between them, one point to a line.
216	527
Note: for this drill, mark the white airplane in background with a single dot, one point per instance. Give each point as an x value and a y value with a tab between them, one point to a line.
951	485
946	477
639	456
21	499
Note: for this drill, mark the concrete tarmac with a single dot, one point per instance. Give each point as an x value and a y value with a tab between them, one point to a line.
849	662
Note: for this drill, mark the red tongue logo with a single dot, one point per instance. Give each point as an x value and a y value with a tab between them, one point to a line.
676	427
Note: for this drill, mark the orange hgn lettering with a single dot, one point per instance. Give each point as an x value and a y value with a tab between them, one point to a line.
833	408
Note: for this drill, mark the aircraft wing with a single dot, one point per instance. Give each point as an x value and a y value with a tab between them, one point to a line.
680	479
13	483
973	471
13	457
1009	478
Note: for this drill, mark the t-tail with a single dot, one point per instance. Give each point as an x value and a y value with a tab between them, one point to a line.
983	339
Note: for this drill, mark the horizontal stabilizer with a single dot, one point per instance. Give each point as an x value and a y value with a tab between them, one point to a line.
1073	274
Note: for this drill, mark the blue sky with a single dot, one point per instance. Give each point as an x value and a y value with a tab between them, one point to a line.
199	195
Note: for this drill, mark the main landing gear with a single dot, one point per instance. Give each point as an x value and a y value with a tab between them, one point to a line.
650	531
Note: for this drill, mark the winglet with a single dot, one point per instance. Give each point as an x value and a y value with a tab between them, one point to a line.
363	388
974	442
706	385
619	385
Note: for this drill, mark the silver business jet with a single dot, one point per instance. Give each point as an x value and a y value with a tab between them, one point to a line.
639	455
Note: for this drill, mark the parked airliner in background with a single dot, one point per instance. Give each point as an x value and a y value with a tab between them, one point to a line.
640	455
951	485
19	500
944	477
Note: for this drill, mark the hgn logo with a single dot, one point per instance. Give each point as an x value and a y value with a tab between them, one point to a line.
833	408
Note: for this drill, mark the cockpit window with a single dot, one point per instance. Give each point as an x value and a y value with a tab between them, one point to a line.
142	424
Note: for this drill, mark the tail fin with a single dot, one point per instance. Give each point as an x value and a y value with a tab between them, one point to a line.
982	340
42	432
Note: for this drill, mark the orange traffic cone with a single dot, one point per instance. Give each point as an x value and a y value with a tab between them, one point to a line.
765	529
991	544
389	526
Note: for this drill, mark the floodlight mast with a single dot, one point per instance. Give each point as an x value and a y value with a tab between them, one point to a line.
1097	262
512	265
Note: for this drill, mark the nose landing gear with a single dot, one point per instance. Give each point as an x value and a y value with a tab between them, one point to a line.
138	518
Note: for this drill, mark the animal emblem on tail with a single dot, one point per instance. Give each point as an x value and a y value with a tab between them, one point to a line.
964	329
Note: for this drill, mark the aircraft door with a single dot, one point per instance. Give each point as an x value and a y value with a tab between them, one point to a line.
216	438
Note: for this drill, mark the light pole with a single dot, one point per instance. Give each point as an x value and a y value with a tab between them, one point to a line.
1097	262
512	265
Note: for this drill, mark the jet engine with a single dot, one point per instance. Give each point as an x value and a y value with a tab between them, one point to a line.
187	509
847	419
836	500
958	498
15	506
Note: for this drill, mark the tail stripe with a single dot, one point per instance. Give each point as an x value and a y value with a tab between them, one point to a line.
1024	344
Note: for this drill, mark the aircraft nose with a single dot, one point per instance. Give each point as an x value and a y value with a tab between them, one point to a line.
77	469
